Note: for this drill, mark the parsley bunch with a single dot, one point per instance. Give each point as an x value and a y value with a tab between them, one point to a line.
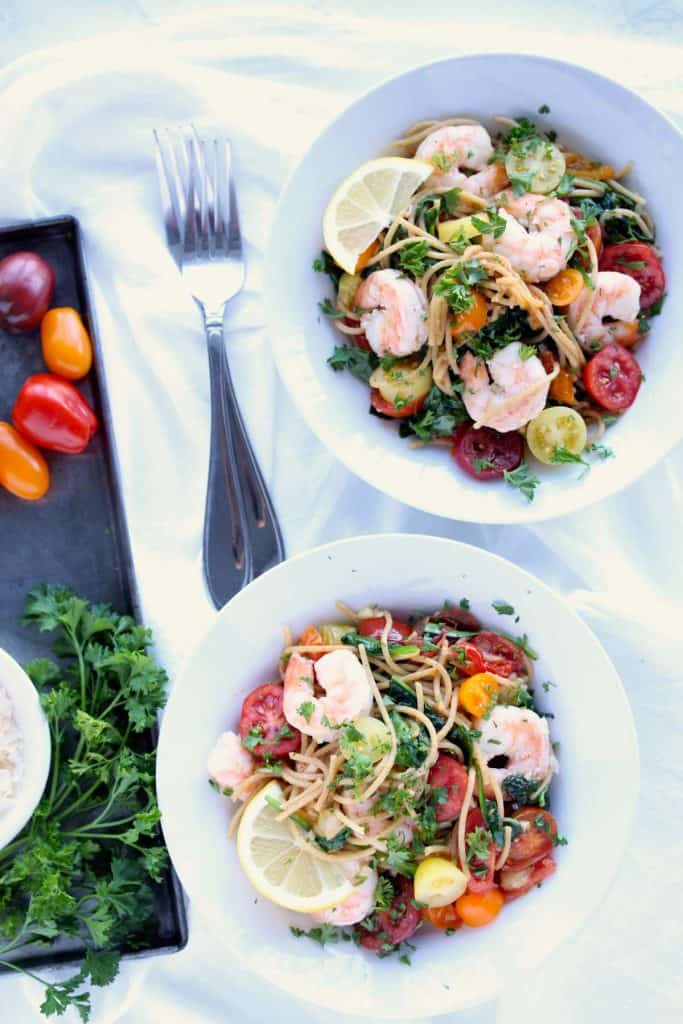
86	864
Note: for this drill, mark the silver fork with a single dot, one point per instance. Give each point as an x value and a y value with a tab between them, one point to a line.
241	533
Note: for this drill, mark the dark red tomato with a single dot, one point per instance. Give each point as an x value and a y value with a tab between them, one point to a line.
639	261
458	617
612	378
515	883
26	286
449	774
374	627
263	707
380	405
51	413
481	880
396	924
359	340
536	841
500	655
484	453
467	658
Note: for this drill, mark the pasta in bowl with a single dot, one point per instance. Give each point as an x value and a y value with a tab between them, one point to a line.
429	857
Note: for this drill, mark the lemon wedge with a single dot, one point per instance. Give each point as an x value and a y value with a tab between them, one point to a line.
366	202
275	859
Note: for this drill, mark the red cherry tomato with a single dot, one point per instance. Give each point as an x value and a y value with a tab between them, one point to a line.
263	707
395	924
374	627
515	883
594	232
612	378
27	283
447	773
536	841
484	453
500	655
359	340
23	470
639	261
51	413
67	350
445	918
459	618
385	408
481	879
467	658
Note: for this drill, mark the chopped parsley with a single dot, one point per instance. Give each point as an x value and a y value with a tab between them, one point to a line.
413	258
323	934
253	737
357	361
503	608
561	454
384	893
490	224
520	789
438	417
481	464
306	709
511	325
324	264
328	309
337	841
544	109
398	857
601	450
523	480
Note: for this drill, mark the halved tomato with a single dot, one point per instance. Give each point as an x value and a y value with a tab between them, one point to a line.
536	841
262	709
501	656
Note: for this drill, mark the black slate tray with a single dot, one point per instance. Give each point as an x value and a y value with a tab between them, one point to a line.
77	534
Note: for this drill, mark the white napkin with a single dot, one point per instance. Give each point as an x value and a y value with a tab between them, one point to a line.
77	123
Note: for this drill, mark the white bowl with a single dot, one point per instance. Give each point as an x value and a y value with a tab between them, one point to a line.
598	757
587	111
33	727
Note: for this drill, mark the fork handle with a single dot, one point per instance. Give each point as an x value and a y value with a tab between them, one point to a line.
241	534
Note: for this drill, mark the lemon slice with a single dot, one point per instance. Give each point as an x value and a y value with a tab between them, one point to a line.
366	202
277	863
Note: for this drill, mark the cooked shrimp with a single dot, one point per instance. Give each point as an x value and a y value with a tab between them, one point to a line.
361	901
538	235
614	310
509	394
229	763
347	693
462	147
521	737
395	321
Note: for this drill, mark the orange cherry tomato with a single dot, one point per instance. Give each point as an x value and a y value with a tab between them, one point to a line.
311	638
23	470
477	693
626	332
562	388
564	287
443	917
366	255
476	909
471	320
67	350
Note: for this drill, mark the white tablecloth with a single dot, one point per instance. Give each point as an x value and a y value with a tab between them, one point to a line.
77	124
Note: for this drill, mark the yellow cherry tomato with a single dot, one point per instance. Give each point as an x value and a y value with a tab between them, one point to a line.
438	882
23	469
478	693
67	350
556	430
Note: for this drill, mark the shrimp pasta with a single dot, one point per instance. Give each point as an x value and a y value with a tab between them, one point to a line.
396	775
496	308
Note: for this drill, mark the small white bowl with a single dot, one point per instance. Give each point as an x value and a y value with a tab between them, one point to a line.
598	757
36	747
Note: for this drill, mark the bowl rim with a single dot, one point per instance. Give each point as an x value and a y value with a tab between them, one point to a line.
36	742
181	857
574	499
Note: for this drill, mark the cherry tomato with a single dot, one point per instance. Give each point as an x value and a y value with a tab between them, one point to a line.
481	880
26	286
384	408
477	909
594	232
359	340
66	345
478	693
51	413
639	261
467	658
485	453
445	918
501	656
263	707
447	773
459	618
518	882
374	627
536	841
395	924
612	378
471	320
311	638
23	470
